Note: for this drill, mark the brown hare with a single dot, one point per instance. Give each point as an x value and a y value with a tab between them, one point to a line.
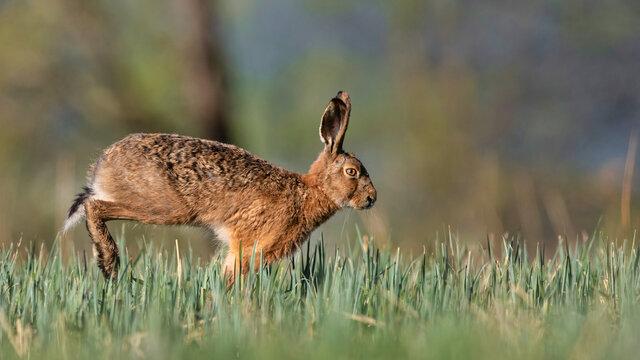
171	179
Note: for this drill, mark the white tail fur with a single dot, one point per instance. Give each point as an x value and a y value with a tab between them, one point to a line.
73	219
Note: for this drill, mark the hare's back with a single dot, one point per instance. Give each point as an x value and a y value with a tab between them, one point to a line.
179	167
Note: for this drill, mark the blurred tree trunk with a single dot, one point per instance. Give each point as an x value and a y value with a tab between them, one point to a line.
201	70
204	82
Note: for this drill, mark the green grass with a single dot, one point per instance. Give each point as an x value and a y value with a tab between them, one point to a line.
362	302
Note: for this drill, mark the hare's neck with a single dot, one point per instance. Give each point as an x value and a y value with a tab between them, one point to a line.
317	207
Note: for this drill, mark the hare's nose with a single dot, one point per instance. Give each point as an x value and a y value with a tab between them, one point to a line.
370	201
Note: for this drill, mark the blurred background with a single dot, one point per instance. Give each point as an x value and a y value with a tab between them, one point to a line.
485	116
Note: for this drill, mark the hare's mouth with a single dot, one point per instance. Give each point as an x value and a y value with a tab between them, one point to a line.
368	203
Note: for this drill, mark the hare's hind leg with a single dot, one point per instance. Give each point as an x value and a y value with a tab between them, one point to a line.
104	245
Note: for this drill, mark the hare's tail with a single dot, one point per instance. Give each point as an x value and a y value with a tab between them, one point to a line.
76	211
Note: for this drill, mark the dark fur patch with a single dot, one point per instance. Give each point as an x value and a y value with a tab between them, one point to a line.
79	200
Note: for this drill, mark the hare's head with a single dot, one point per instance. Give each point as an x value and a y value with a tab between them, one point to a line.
340	175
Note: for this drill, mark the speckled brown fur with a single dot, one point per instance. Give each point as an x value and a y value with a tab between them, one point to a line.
172	179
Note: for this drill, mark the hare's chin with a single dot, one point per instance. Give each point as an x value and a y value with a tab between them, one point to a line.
366	206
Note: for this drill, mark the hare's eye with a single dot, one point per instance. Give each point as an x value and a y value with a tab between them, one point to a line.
350	171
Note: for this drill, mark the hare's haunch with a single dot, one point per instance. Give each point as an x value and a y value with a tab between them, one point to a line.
172	179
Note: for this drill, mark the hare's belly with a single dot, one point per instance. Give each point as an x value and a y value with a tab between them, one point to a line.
222	234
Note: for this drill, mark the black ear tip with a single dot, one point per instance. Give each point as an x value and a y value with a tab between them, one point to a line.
344	97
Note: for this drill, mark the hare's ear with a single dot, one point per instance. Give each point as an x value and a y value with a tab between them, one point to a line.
334	122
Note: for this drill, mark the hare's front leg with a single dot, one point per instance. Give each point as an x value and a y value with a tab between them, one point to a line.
230	268
234	266
105	248
237	263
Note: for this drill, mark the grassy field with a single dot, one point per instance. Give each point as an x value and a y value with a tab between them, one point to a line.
324	303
